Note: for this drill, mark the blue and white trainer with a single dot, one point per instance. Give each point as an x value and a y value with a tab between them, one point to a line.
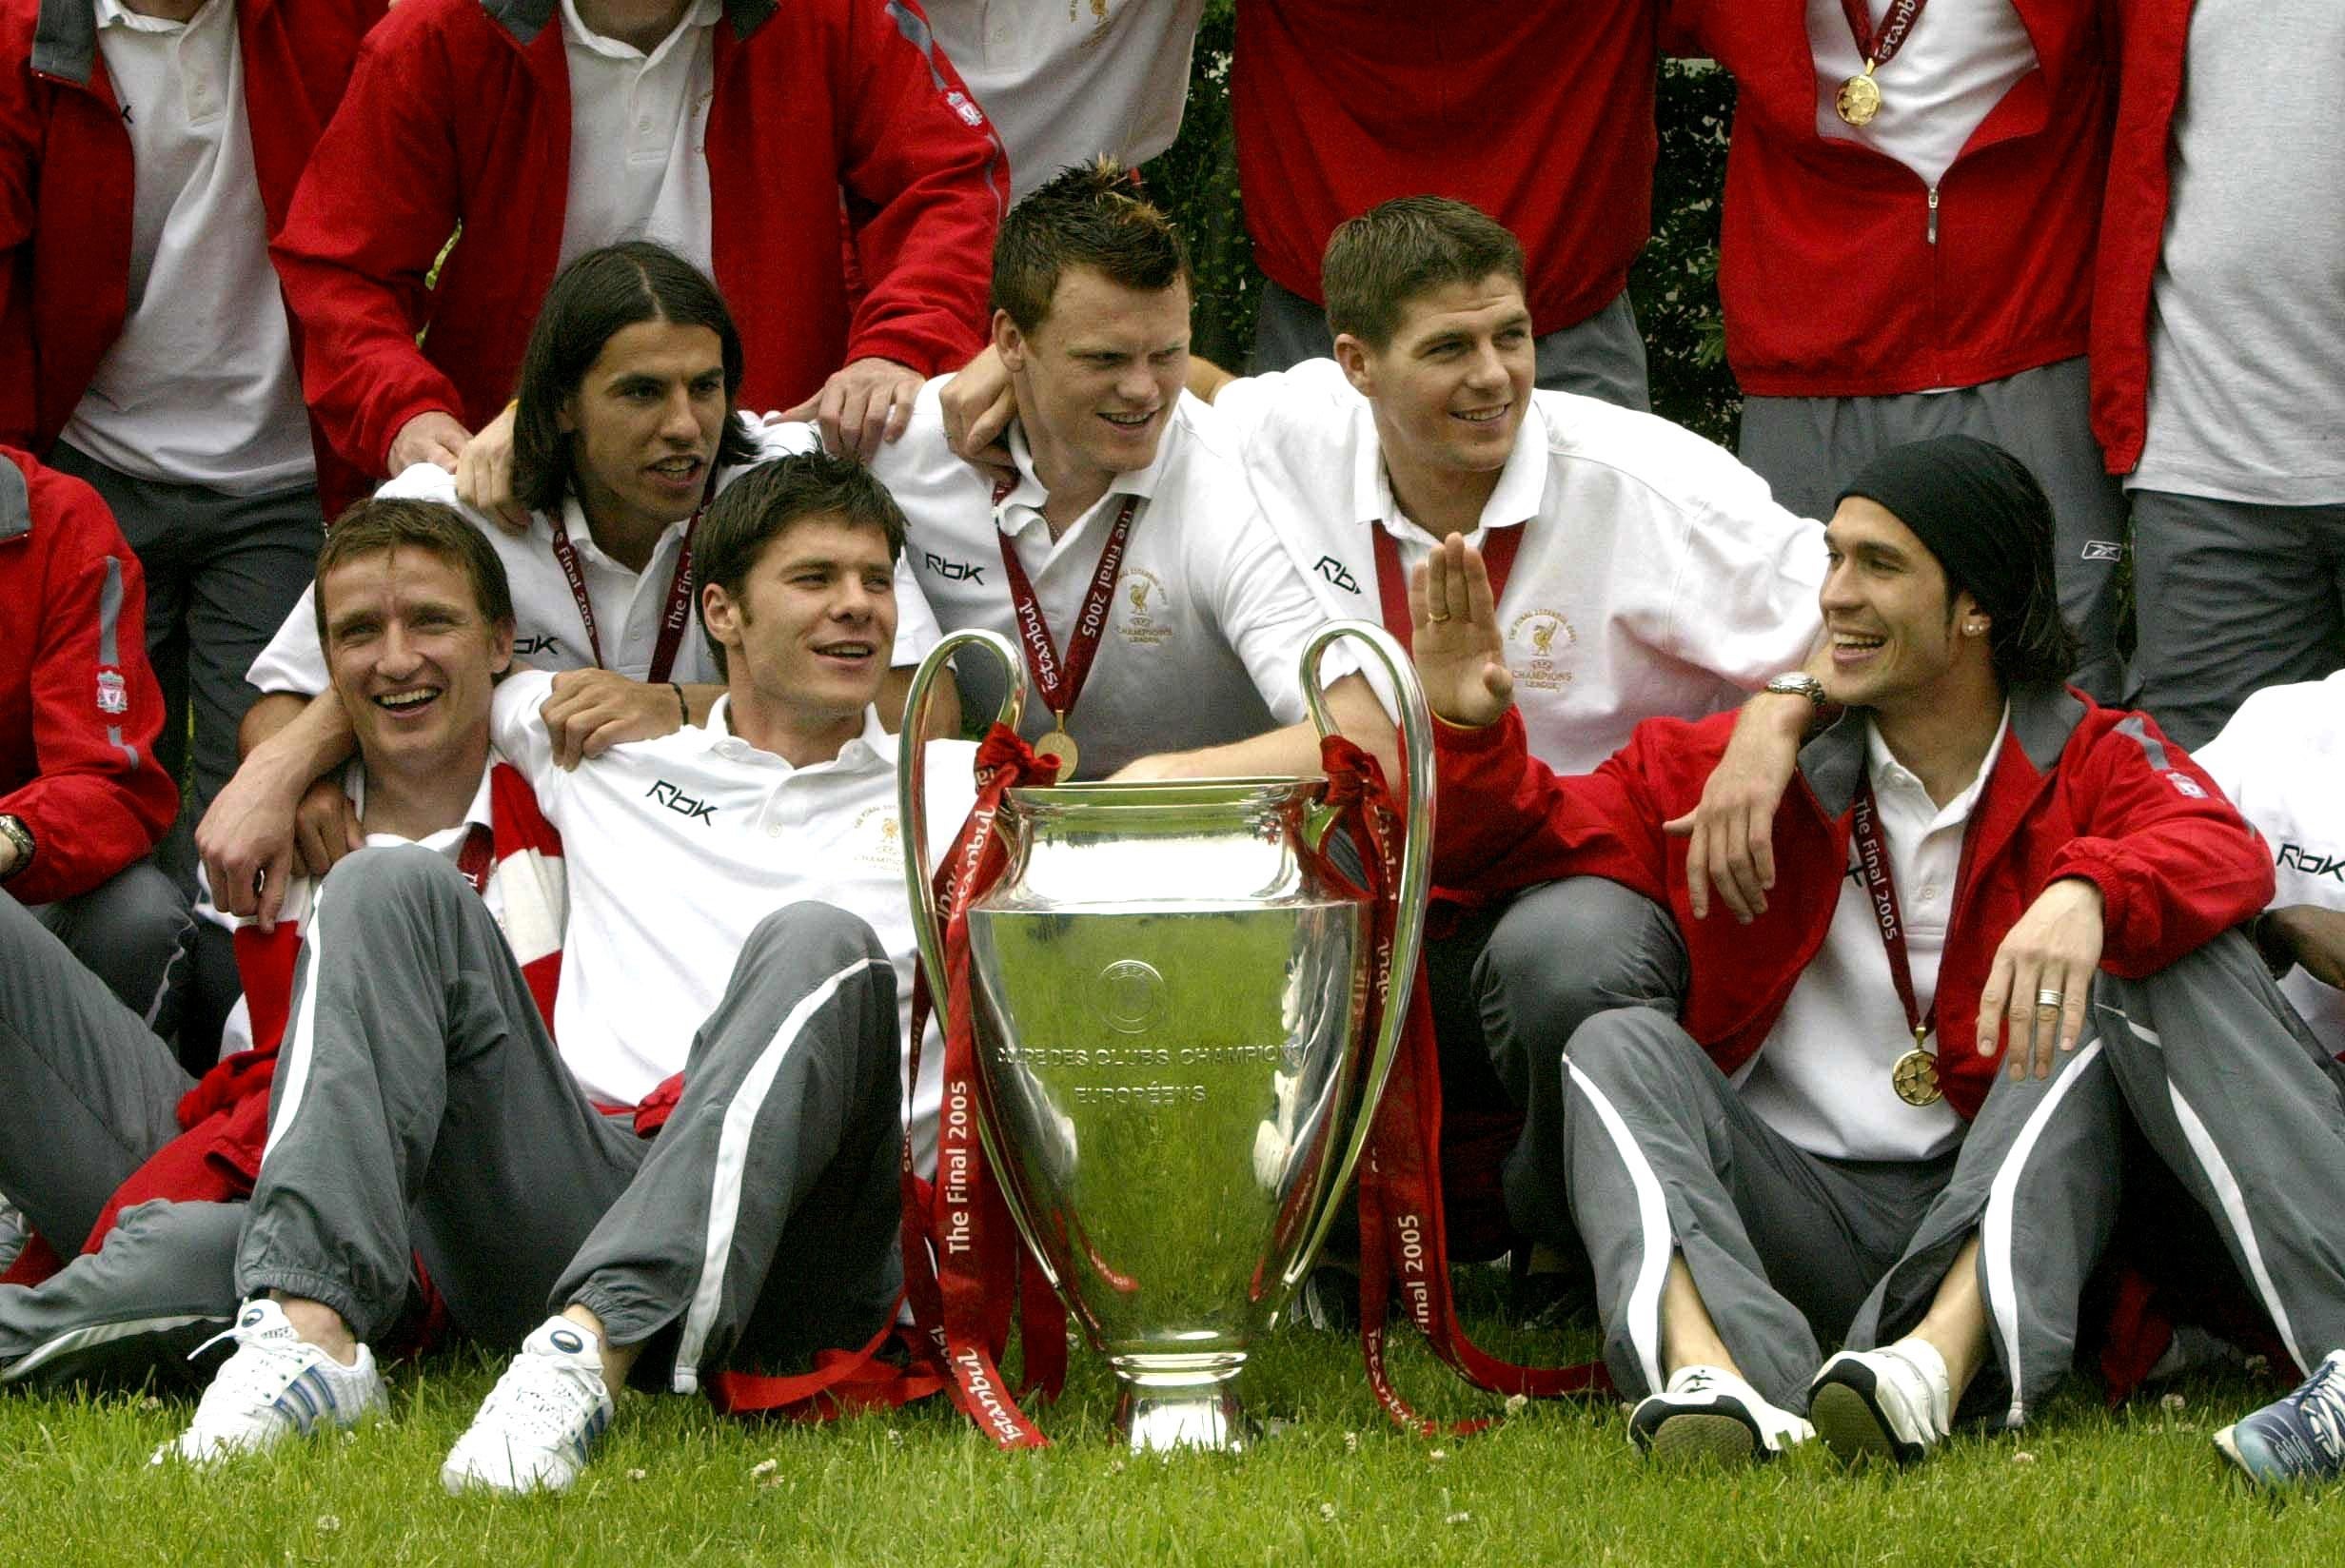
2297	1438
274	1385
535	1430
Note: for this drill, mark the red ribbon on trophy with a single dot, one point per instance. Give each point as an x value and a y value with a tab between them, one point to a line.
1403	1237
965	1265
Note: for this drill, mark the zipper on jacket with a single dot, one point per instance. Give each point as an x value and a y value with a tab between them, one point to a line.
1933	214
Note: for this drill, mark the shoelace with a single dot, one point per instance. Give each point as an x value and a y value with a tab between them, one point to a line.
259	1378
544	1399
2321	1402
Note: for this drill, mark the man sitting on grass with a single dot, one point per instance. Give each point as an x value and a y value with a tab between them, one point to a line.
712	872
1976	866
102	1134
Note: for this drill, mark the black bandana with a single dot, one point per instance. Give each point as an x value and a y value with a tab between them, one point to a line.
1980	511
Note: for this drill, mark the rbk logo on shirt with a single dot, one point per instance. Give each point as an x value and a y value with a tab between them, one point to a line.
952	571
1337	573
525	646
2295	857
681	804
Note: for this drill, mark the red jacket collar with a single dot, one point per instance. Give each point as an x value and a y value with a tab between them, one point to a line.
2043	715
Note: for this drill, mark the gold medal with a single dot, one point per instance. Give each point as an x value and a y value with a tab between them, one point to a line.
1915	1076
1859	99
1059	744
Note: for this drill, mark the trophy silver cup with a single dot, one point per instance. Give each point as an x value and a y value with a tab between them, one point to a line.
1168	996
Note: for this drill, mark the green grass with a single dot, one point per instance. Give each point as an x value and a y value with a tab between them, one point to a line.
673	1483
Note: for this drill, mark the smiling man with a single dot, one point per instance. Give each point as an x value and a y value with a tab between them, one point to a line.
1122	530
626	426
103	1136
1978	867
736	917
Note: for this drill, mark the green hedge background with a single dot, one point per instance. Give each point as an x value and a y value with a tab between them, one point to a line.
1674	286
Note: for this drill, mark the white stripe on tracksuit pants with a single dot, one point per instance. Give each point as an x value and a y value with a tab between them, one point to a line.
422	1106
2205	1058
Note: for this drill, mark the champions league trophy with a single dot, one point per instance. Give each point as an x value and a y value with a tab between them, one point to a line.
1169	993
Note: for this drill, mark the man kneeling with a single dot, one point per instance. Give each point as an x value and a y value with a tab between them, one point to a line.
422	1103
1976	866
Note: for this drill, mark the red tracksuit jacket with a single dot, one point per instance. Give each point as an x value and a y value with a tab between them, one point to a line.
2077	790
79	707
2153	36
1832	282
1541	115
459	112
66	184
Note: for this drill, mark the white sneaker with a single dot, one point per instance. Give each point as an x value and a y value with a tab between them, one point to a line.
1708	1413
535	1428
1894	1402
277	1383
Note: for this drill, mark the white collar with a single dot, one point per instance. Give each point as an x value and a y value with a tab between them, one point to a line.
1887	772
476	815
1029	494
113	13
1520	490
873	744
702	14
582	535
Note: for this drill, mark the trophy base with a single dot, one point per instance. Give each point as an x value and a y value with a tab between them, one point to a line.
1206	1416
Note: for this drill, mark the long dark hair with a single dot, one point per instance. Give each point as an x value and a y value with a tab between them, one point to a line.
594	299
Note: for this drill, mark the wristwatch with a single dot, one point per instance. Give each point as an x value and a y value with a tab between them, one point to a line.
13	829
1800	683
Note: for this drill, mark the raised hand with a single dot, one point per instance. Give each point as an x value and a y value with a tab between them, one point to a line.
1454	638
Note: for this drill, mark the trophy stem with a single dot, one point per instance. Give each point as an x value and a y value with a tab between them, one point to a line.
1180	1401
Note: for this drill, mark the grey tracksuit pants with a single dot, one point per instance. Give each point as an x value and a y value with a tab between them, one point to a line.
422	1103
88	1094
1789	1249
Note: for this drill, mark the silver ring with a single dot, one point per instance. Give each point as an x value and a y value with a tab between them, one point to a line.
2050	998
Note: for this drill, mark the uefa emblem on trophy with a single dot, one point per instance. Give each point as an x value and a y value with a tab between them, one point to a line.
1168	983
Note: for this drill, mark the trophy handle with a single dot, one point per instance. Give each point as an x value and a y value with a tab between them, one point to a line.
912	782
1416	884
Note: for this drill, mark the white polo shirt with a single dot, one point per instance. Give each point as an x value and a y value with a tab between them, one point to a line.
639	135
548	631
1204	642
1822	1078
1657	575
199	388
1959	59
2281	760
675	848
1065	82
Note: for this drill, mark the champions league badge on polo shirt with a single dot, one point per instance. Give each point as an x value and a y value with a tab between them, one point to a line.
876	839
1146	604
113	693
1536	640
